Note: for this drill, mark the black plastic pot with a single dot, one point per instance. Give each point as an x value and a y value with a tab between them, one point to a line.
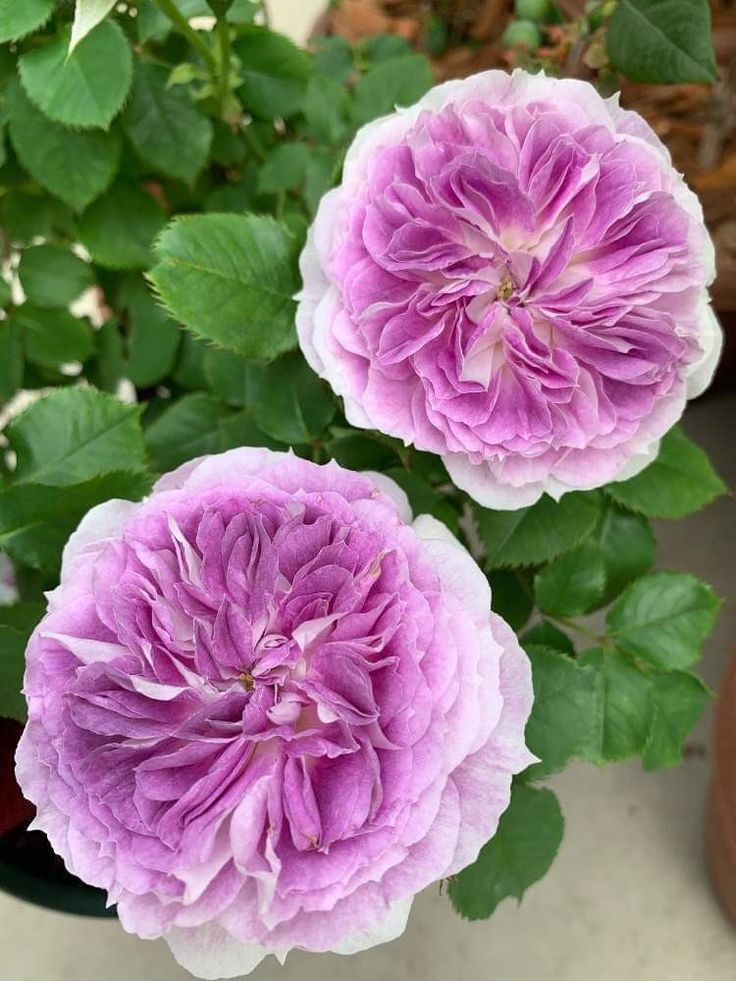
30	870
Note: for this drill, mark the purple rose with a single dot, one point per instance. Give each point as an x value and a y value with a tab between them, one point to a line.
512	275
265	710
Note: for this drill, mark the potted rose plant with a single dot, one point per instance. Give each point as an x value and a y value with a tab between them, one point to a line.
346	420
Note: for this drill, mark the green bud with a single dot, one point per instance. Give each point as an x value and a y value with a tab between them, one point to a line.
522	34
537	10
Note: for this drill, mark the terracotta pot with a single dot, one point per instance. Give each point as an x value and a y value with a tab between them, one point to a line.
721	813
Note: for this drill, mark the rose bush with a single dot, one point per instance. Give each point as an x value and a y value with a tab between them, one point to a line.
513	275
265	710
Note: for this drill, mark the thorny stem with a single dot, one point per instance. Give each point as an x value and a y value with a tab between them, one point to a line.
223	35
176	17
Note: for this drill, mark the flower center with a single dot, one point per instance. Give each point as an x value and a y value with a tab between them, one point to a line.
247	680
505	289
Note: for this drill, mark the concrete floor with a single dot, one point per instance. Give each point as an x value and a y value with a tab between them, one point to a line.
627	899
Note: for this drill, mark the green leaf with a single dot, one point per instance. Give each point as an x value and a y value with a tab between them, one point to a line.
289	402
166	128
228	376
662	41
383	47
16	625
538	533
520	853
565	710
680	481
153	24
333	58
75	434
628	547
7	64
664	618
53	337
284	168
184	73
86	88
87	15
242	11
75	166
229	197
239	429
275	73
327	109
11	360
320	175
230	279
22	616
395	82
12	665
109	364
423	498
624	709
31	584
189	366
678	701
119	228
187	429
153	341
358	451
30	212
20	17
228	148
52	276
510	598
571	584
545	634
5	292
295	221
36	519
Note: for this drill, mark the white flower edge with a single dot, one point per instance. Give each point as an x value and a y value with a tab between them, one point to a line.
101	524
210	952
105	522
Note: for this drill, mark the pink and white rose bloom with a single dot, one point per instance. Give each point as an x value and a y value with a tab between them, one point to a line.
512	275
266	709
